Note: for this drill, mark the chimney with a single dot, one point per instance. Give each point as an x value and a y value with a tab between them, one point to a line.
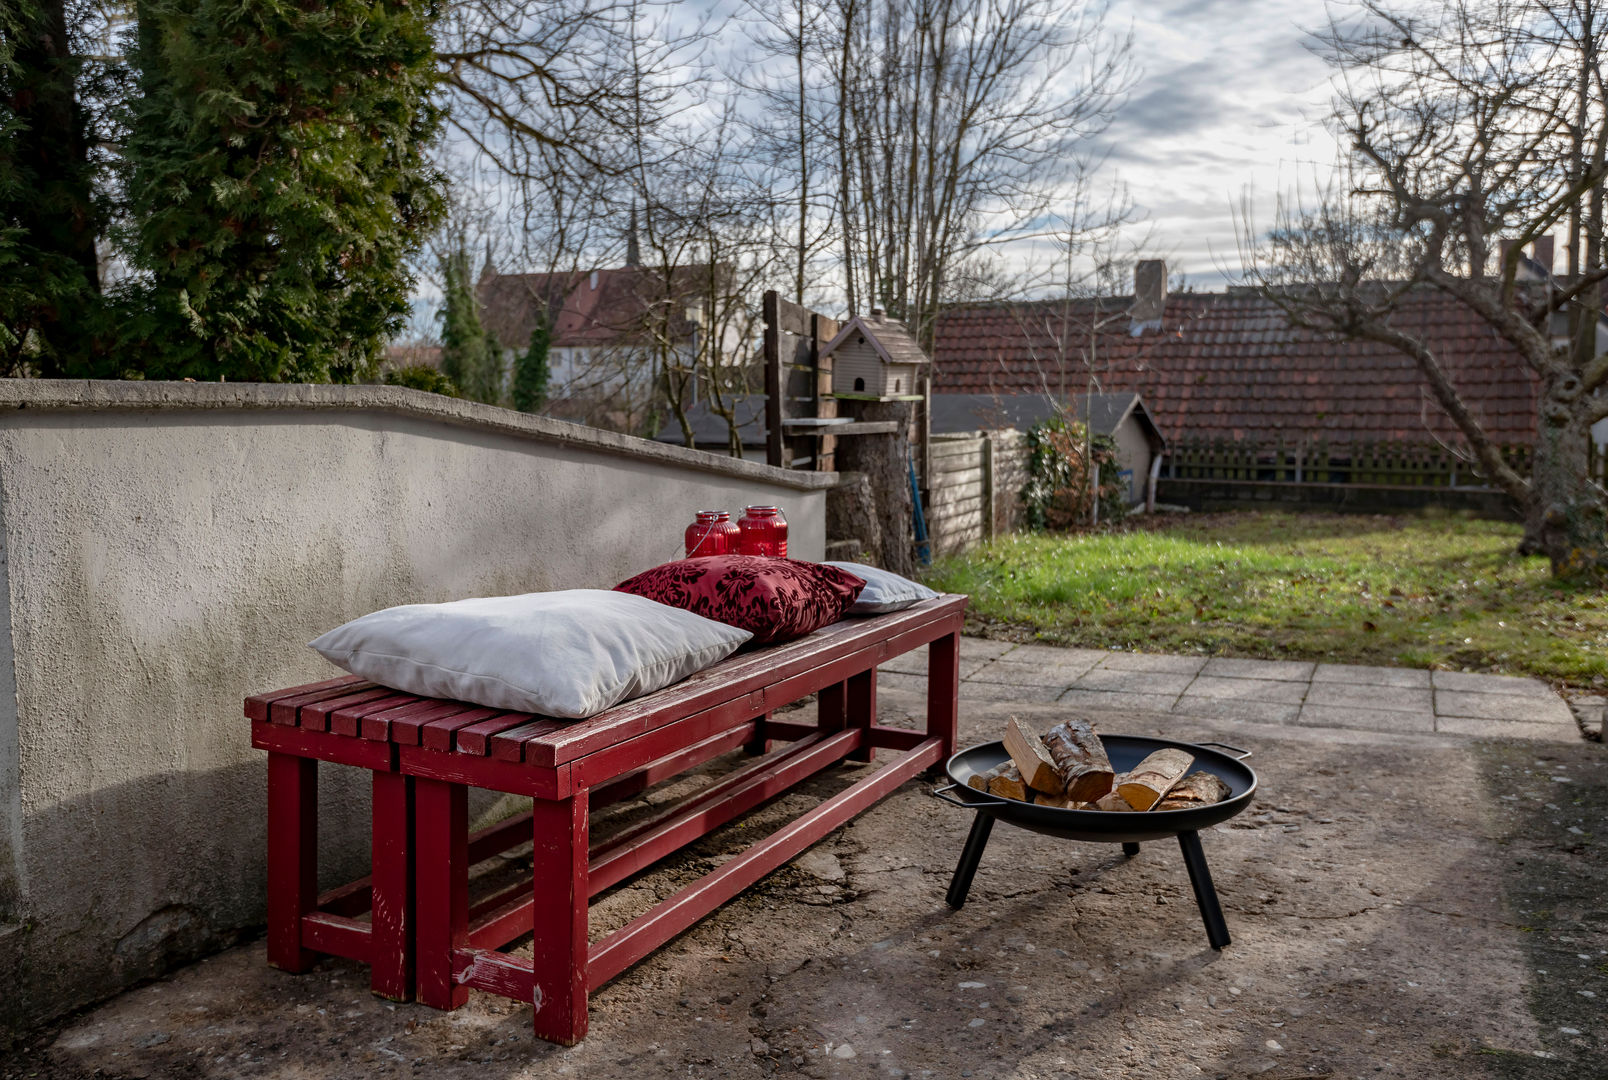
633	253
1541	252
1149	295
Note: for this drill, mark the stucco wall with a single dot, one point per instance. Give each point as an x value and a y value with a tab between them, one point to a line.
170	548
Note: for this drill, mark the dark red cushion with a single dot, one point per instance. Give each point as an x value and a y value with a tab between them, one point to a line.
774	599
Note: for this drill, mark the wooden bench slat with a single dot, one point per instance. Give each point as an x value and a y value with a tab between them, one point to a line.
315	717
287	711
348	720
402	724
257	705
734	677
438	734
476	738
510	745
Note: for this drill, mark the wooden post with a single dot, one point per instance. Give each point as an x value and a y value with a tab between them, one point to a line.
943	684
292	856
391	923
774	383
559	948
988	486
442	898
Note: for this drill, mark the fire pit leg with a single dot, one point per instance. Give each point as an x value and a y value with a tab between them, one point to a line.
1206	896
966	869
1130	849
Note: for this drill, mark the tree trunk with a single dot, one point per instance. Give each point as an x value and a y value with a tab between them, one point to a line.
884	459
1566	518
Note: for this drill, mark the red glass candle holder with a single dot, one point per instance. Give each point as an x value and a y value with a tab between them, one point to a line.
762	531
711	533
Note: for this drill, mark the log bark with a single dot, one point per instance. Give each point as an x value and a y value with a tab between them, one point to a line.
1032	758
1112	801
1081	760
1060	802
884	459
1197	789
1148	782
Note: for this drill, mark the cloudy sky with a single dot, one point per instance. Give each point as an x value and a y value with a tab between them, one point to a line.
1229	101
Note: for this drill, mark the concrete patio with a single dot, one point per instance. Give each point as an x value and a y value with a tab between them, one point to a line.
1417	891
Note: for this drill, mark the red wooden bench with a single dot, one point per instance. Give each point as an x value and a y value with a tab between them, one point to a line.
426	753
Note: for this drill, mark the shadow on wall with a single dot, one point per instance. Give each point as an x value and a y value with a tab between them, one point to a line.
59	948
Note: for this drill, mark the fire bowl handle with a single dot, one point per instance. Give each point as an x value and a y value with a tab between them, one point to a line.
1234	751
938	793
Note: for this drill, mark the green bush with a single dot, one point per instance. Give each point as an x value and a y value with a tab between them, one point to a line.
422	377
1058	491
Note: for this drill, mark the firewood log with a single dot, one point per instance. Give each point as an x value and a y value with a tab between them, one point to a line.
1111	801
980	780
1199	788
1148	782
1009	784
1080	758
1032	758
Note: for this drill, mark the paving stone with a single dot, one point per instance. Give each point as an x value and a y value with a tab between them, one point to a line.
1367	675
1134	682
1181	665
975	648
1028	674
994	692
1365	719
1231	668
915	662
1472	683
1269	690
898	680
1110	700
1250	712
1514	708
1358	696
1505	729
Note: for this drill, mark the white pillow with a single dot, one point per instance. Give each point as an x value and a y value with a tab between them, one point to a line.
884	591
570	654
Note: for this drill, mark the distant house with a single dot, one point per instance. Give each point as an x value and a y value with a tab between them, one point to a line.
1228	366
1123	417
614	332
874	357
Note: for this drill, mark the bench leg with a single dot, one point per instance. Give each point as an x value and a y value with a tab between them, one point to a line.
559	947
292	857
391	925
441	838
759	745
943	688
832	707
862	710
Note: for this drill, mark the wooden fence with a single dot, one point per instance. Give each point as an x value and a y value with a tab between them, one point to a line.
1390	464
974	487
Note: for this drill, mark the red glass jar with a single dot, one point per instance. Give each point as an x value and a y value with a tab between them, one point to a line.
762	531
712	533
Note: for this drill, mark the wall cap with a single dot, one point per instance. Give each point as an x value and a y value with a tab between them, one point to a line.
89	395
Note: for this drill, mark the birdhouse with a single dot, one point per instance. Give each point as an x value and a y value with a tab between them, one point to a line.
875	359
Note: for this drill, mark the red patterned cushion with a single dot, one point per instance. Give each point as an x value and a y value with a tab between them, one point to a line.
774	599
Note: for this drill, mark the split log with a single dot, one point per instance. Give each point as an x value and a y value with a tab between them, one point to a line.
1148	782
1004	780
1080	758
1112	801
1197	789
1032	758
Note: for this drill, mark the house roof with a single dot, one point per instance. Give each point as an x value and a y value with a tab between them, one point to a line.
890	339
596	308
710	428
953	413
1229	366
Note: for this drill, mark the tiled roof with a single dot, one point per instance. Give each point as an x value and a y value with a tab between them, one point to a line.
1228	366
596	308
954	413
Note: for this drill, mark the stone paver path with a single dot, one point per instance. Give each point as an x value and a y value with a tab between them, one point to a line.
1257	691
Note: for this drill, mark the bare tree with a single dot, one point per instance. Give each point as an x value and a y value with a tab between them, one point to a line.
1468	124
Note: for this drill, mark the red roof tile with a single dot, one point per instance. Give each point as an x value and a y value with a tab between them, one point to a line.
1230	367
597	308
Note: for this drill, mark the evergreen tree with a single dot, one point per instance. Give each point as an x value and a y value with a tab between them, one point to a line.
531	372
50	304
469	357
278	182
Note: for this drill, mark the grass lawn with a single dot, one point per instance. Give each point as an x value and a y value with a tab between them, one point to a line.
1441	591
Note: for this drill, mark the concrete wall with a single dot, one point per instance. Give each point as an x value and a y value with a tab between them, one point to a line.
170	548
